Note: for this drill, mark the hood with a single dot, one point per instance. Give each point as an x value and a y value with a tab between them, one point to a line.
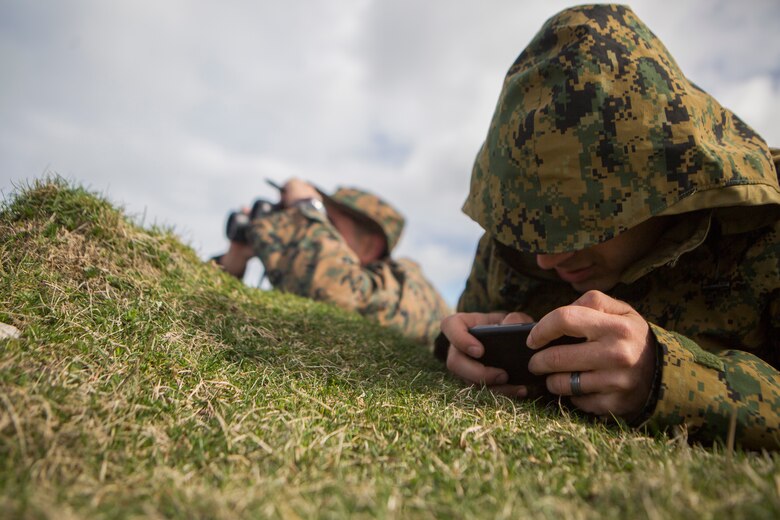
596	130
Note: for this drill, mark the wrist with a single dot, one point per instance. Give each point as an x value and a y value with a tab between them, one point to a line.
296	191
311	203
655	383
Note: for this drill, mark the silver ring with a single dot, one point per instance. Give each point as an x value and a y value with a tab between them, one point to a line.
576	389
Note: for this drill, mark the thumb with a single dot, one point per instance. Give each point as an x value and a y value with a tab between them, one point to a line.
517	317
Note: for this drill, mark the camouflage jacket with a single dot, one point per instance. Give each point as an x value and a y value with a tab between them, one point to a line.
305	255
596	131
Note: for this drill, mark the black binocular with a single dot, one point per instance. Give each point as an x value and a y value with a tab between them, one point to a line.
238	222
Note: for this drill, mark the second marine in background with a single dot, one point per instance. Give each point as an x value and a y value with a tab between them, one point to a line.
337	248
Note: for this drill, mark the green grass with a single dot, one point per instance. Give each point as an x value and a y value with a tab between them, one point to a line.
147	384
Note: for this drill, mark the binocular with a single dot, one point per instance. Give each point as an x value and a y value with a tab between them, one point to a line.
238	222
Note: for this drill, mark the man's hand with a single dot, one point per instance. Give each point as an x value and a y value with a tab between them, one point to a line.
235	259
464	348
296	190
616	363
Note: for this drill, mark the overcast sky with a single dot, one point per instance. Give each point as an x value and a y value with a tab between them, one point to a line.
179	109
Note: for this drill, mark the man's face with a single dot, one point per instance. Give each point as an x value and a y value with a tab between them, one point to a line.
600	267
358	241
345	227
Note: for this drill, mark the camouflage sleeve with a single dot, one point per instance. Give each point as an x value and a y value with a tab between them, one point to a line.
706	382
304	254
289	244
417	308
703	391
475	295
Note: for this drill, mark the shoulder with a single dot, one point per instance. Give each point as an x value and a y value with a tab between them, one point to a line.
403	264
405	271
759	263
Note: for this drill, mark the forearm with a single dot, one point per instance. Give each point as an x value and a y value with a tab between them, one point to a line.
412	305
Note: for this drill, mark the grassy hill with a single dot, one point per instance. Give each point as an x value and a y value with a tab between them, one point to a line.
145	383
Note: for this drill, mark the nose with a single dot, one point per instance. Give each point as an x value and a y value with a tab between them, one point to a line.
550	261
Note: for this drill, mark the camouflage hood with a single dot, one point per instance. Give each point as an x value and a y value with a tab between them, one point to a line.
596	130
366	206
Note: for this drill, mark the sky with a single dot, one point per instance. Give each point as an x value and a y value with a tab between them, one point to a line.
179	110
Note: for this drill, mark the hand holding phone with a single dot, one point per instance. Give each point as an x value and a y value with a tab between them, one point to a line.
505	348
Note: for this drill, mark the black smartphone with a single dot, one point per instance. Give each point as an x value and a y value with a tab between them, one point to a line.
505	348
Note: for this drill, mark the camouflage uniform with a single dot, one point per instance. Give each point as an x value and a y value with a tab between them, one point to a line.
596	130
304	254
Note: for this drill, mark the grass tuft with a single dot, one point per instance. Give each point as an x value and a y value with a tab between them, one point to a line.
146	383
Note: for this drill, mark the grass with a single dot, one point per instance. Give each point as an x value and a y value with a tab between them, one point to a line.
147	384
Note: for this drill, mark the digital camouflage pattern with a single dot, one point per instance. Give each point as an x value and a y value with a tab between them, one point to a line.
365	205
305	255
597	130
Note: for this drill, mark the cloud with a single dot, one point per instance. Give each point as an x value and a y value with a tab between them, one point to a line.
179	110
755	101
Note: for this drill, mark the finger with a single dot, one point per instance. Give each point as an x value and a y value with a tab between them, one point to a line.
572	320
517	391
562	383
603	405
473	371
570	358
517	317
591	403
601	302
608	384
456	329
609	355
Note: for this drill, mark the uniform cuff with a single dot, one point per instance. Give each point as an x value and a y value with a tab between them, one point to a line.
652	397
690	376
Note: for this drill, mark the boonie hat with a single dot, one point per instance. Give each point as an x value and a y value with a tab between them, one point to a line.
367	206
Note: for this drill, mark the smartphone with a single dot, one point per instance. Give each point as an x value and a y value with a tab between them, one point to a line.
505	348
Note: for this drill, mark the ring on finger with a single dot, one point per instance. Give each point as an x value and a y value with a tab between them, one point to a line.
576	388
